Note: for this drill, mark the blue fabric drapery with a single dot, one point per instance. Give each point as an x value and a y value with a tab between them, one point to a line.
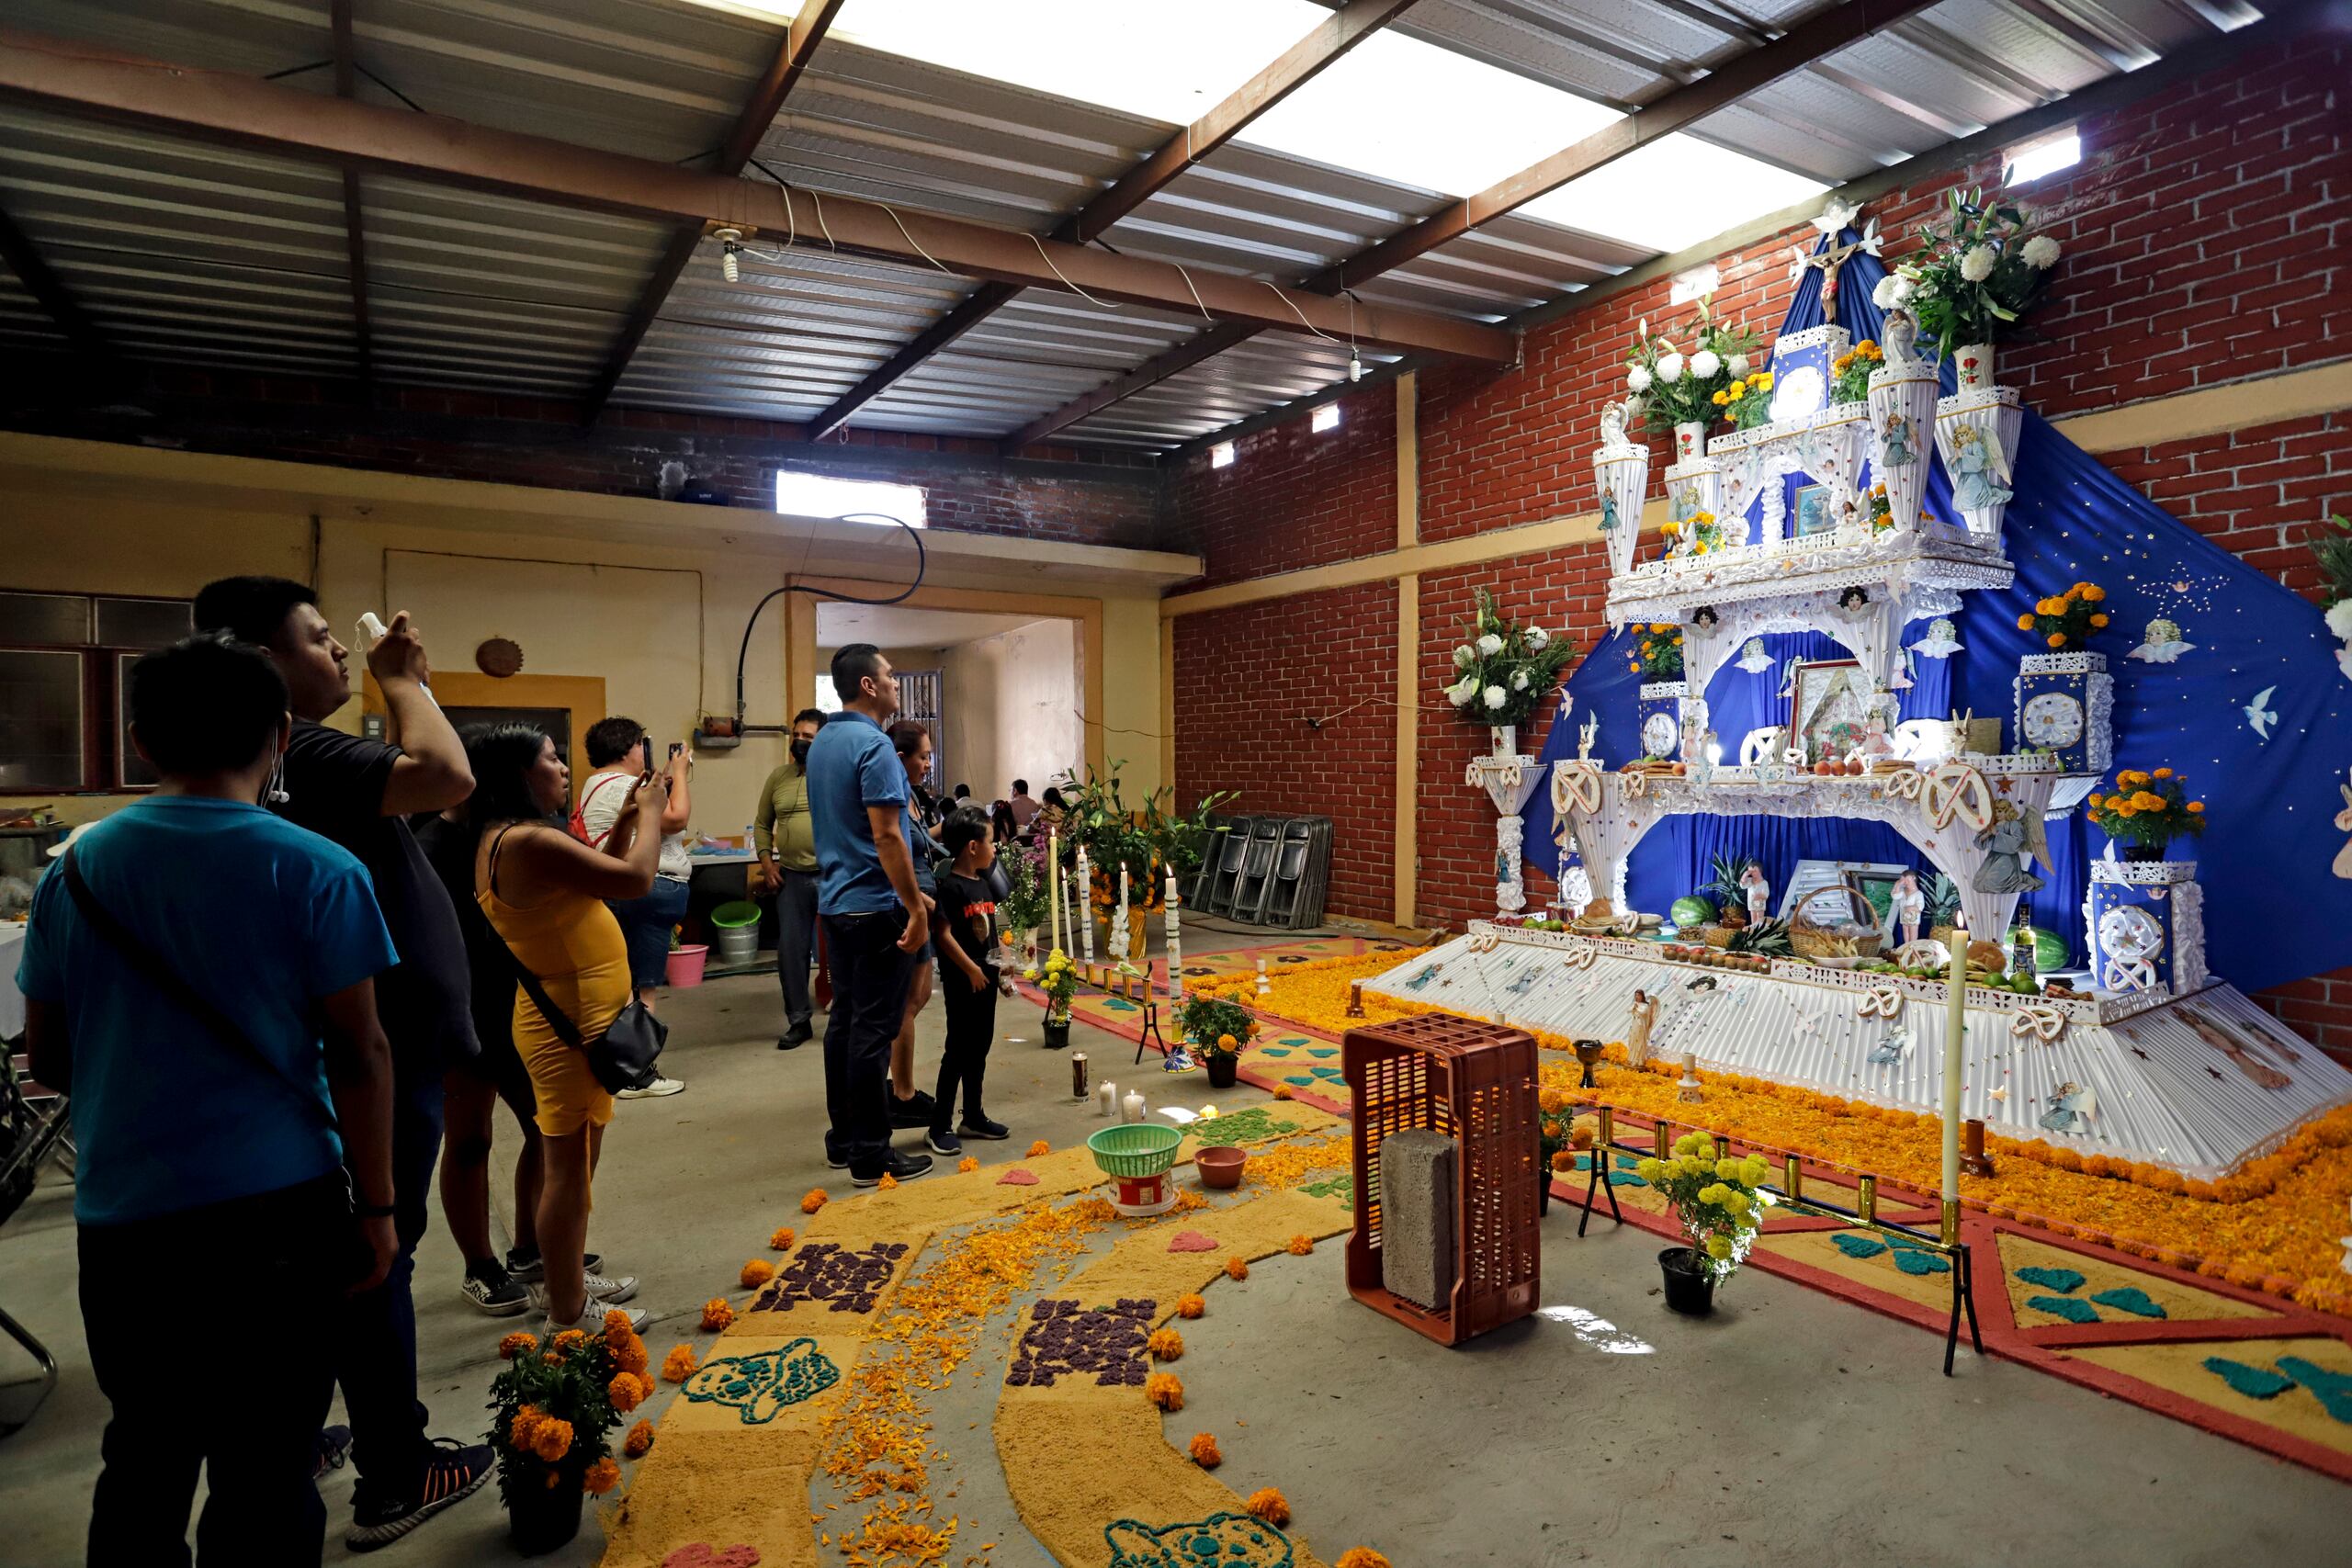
2275	911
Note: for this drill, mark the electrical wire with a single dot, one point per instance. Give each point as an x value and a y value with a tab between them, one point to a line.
922	562
1303	322
1073	287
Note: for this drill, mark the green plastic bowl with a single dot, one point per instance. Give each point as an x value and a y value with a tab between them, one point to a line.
1140	1149
735	914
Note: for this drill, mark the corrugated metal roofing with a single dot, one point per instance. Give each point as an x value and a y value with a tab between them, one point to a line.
183	251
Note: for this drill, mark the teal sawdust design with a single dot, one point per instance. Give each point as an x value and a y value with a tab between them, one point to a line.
1326	1074
761	1388
2065	1282
1342	1187
1854	1245
1221	1540
1296	1039
1324	1051
1120	1004
1622	1176
1273	1050
2255	1383
1254	1125
2332	1390
2062	1306
1913	1262
1301	1079
2131	1299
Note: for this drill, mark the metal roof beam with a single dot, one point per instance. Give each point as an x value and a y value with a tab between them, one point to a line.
72	78
50	291
355	231
792	55
1299	64
1814	38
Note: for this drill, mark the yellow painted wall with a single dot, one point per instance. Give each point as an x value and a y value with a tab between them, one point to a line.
594	594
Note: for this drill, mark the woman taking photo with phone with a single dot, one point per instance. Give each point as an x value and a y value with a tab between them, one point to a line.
544	892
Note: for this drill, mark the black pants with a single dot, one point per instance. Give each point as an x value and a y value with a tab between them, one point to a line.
268	1368
376	1359
870	978
964	1061
796	942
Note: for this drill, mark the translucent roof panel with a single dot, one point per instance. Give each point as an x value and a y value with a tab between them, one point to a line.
1672	193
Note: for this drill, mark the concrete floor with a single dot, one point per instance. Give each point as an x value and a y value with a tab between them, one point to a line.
1792	1426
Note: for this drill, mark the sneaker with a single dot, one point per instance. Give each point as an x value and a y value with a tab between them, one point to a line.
453	1471
912	1111
792	1039
494	1291
601	1293
654	1091
591	1320
939	1141
532	1269
981	1127
903	1167
334	1448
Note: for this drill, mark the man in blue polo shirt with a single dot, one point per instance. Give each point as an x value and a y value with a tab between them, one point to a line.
226	1069
875	919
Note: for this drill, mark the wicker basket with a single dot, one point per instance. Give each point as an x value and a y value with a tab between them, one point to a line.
1808	938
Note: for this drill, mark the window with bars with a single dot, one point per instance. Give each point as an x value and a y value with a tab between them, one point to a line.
64	673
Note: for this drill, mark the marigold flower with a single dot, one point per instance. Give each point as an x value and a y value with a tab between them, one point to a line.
2163	773
1202	1448
570	1340
1165	1345
1270	1505
1564	1161
1580	1136
1040	1147
600	1477
520	1430
757	1271
679	1364
640	1439
515	1345
1361	1557
1235	1268
552	1439
1552	1099
716	1313
886	1183
966	1165
781	1239
1224	1042
623	1392
2196	806
2056	640
2024	623
1282	1091
1300	1246
1189	1306
1163	1390
814	1201
2092	592
629	1356
2099	621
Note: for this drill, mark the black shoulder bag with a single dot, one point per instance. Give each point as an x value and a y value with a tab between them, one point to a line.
622	1056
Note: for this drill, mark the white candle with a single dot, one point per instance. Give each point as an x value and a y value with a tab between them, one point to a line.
1955	1033
1053	890
1120	916
1264	985
1085	910
1175	948
1106	1099
1131	1106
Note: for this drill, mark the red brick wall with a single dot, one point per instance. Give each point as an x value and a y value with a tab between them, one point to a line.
1248	682
1300	497
2261	493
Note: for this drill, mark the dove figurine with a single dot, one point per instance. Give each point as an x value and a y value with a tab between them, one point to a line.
2259	714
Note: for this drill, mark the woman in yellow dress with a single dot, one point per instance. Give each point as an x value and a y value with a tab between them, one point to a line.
543	892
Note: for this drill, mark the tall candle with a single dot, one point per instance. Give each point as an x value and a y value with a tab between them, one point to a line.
1119	917
1175	948
1106	1098
1078	1074
1264	985
1131	1106
1053	891
1085	910
1955	1032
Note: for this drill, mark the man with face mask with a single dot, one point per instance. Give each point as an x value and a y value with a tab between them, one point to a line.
787	849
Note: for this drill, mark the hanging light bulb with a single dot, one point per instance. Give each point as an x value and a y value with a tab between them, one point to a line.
1355	365
731	241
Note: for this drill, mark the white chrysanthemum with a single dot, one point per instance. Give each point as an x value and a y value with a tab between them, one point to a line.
1976	265
1705	363
1884	295
1669	369
1637	379
1490	645
2041	252
1737	365
2339	619
1465	656
1519	680
1461	691
1538	639
1496	696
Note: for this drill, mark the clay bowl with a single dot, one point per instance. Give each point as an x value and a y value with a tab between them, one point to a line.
1220	1166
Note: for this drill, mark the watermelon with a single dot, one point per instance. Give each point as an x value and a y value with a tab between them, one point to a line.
1692	910
2050	950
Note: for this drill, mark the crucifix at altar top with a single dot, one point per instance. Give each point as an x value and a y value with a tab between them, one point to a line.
1834	218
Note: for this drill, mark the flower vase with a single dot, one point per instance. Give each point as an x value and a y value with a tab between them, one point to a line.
1224	1068
1972	366
1505	737
541	1519
1902	415
1689	1281
2143	853
1057	1031
1622	478
1543	1192
1690	440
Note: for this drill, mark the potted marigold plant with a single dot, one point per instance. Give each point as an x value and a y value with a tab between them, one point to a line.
1657	653
1218	1029
1851	372
1058	977
1714	1199
550	1410
2147	810
1748	402
2068	617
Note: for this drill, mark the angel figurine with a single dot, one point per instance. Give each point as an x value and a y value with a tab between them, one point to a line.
1608	512
1586	734
2008	844
1637	1038
2343	825
2071	1108
2163	643
1896	333
1896	449
1909	905
1976	462
1612	431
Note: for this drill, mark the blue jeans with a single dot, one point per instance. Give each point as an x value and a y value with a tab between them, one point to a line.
646	925
375	1361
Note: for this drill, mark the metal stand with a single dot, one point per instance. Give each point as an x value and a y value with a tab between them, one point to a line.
1964	1295
40	1353
1151	1033
1599	1159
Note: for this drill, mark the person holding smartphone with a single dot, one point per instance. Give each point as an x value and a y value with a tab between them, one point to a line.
618	751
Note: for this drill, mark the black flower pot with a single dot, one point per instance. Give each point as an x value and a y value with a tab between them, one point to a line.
1225	1069
1689	1281
1542	1193
2143	852
541	1518
1057	1035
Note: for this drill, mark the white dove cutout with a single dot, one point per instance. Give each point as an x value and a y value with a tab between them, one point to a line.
2259	713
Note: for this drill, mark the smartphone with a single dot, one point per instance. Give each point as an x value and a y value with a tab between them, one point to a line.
675	748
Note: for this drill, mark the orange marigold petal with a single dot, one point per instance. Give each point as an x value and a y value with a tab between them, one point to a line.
1270	1505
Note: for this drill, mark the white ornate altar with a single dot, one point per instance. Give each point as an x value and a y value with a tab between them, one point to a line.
1510	782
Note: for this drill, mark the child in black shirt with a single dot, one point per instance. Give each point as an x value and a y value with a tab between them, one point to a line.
966	925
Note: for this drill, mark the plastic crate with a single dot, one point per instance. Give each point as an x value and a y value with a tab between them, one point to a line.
1475	1083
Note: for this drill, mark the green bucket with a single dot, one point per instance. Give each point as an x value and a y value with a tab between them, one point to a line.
1131	1149
735	914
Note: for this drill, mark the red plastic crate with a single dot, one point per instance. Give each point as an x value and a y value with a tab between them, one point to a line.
1474	1083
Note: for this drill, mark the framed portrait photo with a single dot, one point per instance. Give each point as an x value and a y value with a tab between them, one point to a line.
1830	707
1812	514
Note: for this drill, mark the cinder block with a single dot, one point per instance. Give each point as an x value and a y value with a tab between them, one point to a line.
1417	1173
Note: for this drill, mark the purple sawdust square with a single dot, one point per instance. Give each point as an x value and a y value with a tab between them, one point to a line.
844	1278
1065	1339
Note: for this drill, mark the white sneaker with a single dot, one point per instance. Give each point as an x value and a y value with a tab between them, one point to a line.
591	1321
601	1293
654	1091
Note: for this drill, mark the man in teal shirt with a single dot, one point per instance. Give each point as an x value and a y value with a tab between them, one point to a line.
875	916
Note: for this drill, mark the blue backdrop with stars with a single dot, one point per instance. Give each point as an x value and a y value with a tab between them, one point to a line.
2275	911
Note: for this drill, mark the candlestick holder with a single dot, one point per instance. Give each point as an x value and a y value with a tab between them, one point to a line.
1974	1161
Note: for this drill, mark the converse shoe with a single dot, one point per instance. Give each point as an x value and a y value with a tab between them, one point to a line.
531	1269
654	1091
494	1291
601	1293
591	1320
451	1472
978	1127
